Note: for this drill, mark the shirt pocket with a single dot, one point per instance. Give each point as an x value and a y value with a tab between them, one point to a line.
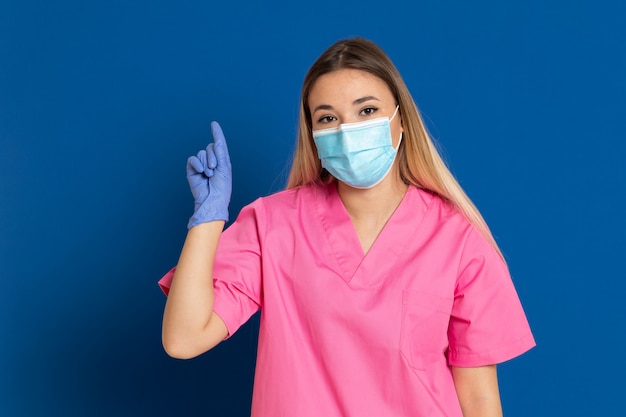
424	327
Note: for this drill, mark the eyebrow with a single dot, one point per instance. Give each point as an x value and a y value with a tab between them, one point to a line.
364	99
355	102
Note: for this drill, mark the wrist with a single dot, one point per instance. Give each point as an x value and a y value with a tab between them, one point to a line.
206	215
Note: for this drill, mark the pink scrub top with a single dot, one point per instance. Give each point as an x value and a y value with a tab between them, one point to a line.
343	334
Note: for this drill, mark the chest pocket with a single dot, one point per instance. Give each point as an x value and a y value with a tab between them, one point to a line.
424	331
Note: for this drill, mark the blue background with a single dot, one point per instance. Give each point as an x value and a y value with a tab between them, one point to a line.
102	102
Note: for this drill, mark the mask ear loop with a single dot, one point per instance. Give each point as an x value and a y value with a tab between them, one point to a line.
394	113
401	134
399	141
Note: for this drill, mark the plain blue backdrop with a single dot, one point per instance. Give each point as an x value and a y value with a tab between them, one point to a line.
101	103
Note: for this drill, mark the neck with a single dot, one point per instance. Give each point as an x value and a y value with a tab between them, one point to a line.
374	204
370	209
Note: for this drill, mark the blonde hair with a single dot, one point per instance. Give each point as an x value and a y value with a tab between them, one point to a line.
419	161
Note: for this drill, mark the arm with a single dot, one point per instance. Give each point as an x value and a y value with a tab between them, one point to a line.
190	327
477	389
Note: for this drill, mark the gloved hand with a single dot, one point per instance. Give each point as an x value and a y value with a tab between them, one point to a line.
210	179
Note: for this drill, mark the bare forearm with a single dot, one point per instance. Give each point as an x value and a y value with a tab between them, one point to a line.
478	392
487	407
189	325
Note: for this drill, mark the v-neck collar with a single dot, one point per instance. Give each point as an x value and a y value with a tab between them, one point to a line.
369	270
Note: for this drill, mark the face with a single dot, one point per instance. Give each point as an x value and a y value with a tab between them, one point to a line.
348	96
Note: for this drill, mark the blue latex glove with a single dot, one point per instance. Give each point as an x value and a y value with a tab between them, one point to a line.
210	178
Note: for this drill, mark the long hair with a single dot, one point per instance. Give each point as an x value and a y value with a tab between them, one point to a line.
419	161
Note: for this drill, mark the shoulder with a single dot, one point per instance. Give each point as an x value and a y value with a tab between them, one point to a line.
440	213
276	213
444	219
293	198
285	204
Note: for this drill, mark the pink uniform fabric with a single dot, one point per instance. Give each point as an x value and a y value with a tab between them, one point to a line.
343	334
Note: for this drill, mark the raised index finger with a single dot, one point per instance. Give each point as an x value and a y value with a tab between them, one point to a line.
221	150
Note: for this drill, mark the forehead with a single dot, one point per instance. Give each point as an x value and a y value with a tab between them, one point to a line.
347	84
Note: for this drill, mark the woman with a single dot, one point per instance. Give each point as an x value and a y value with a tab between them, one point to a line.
382	291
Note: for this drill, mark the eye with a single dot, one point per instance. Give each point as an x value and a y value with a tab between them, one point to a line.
326	119
368	111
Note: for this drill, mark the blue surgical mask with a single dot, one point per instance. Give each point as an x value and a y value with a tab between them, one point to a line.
359	154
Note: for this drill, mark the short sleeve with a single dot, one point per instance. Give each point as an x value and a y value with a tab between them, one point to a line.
237	271
488	324
166	281
237	279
